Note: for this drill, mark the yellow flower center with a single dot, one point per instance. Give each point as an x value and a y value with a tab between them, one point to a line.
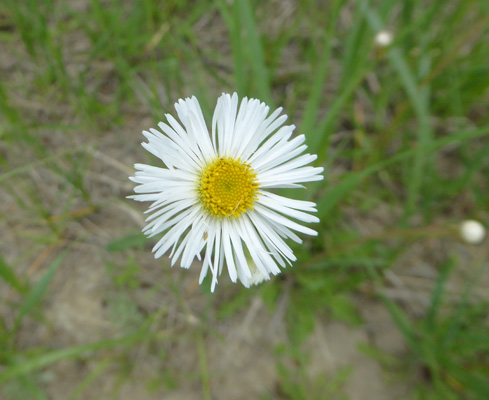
228	187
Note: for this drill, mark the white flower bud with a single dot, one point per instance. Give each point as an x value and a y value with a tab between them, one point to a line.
472	232
383	39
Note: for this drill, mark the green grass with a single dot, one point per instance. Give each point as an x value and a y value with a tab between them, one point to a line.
402	129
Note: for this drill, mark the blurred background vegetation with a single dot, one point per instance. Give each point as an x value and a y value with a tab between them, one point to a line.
386	303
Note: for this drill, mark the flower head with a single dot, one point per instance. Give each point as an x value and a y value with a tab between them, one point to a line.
211	193
472	232
383	39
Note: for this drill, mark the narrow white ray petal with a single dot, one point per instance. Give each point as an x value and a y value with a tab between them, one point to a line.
283	133
268	230
204	144
292	165
162	224
304	174
202	133
249	128
157	225
215	119
262	259
186	147
186	138
220	122
272	123
220	128
145	197
228	252
240	122
288	211
280	185
293	203
168	155
222	260
173	235
285	232
192	248
229	113
169	200
242	265
246	148
178	247
275	245
211	234
159	186
156	147
158	172
283	151
168	209
281	157
273	216
217	255
182	110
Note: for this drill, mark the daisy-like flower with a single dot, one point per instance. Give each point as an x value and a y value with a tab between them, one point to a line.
211	195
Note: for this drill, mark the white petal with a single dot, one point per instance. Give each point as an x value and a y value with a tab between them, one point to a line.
268	230
260	256
228	252
242	265
304	174
283	151
297	204
283	209
217	256
174	234
273	216
283	133
268	126
211	234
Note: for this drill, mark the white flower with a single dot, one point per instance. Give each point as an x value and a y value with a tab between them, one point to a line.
383	38
472	232
211	193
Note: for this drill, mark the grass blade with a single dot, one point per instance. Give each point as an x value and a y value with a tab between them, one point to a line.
37	291
419	98
318	140
437	295
402	321
257	63
86	382
9	276
233	24
33	364
352	180
133	240
314	101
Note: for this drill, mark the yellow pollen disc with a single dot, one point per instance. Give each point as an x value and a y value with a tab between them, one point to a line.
228	187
